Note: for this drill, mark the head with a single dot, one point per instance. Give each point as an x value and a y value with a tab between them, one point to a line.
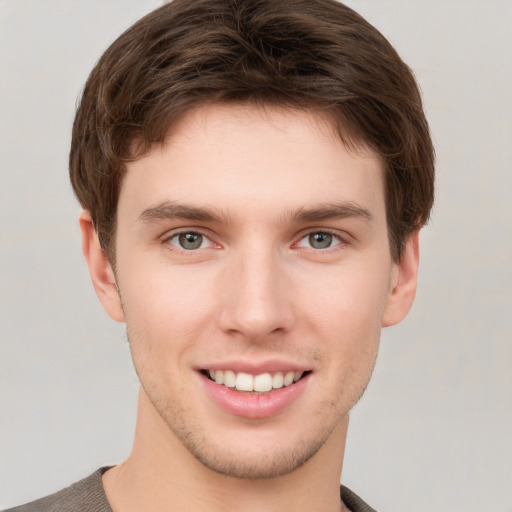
255	173
318	56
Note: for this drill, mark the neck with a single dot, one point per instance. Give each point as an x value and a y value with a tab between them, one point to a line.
161	474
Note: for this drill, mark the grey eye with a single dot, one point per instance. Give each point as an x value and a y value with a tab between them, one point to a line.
320	240
190	241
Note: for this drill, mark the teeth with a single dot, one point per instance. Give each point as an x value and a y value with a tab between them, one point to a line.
288	378
244	382
277	380
229	379
261	383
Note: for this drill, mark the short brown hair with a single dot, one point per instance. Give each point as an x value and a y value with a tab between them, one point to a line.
309	54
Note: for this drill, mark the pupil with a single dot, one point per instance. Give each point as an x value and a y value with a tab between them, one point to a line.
320	240
190	240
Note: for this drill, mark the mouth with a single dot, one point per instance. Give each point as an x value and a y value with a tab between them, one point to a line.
254	384
255	393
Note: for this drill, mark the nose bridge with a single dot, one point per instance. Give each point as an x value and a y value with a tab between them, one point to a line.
255	300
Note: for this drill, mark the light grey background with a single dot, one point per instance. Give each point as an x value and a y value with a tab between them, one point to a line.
434	428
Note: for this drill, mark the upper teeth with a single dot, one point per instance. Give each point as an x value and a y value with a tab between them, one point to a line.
247	382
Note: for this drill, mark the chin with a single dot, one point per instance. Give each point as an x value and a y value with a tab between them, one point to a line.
257	452
254	464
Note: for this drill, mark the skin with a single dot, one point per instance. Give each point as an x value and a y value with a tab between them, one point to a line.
258	288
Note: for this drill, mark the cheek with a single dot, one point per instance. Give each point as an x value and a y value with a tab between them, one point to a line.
346	316
346	299
165	309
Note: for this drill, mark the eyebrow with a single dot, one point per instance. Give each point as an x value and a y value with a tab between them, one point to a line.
331	211
170	210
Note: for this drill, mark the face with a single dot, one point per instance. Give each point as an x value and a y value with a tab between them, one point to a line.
254	275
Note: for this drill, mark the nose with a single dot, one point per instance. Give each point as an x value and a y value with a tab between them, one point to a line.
255	298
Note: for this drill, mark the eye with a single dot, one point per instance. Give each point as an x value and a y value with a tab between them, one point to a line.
189	241
319	240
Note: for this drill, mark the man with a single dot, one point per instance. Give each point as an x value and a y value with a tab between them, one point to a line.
253	175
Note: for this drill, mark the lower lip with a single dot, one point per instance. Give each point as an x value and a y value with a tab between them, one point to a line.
250	405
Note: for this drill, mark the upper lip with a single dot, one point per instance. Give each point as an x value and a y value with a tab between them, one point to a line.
256	368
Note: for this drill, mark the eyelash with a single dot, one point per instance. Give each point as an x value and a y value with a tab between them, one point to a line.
340	240
175	236
337	237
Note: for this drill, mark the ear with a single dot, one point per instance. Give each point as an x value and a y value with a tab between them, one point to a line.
102	275
403	283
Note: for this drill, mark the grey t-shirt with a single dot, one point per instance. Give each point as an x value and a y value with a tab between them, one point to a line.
88	495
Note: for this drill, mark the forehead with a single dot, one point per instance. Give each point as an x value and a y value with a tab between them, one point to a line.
242	157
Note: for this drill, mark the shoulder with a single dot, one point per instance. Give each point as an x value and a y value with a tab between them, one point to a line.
87	495
353	501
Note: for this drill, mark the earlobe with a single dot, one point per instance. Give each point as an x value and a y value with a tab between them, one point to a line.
404	282
100	269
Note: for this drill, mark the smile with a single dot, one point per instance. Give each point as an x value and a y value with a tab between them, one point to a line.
260	383
255	395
